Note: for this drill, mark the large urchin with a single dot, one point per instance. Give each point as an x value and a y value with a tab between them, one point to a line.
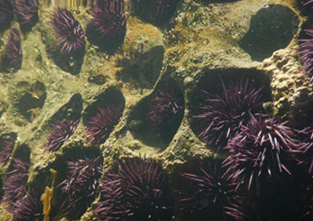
264	148
284	197
29	208
70	34
79	187
140	191
221	114
206	192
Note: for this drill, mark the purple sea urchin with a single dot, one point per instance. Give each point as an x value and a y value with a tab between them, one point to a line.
108	23
305	52
221	115
307	147
102	123
285	197
261	150
60	133
12	59
78	189
15	186
6	147
27	13
29	208
206	193
140	191
6	12
70	34
166	108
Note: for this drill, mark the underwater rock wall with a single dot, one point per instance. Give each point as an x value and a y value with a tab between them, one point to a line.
131	95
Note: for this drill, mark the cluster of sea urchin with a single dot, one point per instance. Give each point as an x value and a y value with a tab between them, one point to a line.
12	59
206	193
60	132
69	32
140	191
262	149
78	189
102	123
221	115
108	23
27	13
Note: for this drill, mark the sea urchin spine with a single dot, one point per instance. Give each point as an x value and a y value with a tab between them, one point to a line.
263	149
79	187
109	23
221	115
70	34
140	191
60	133
102	123
13	56
27	12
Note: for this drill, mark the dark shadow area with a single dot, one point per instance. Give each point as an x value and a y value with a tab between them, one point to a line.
142	69
272	28
156	119
154	12
30	98
71	63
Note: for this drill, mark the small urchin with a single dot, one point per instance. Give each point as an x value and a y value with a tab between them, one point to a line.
206	192
305	54
221	114
6	147
102	123
27	13
108	23
140	191
6	12
307	147
79	188
70	34
13	55
263	149
60	132
15	186
166	108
